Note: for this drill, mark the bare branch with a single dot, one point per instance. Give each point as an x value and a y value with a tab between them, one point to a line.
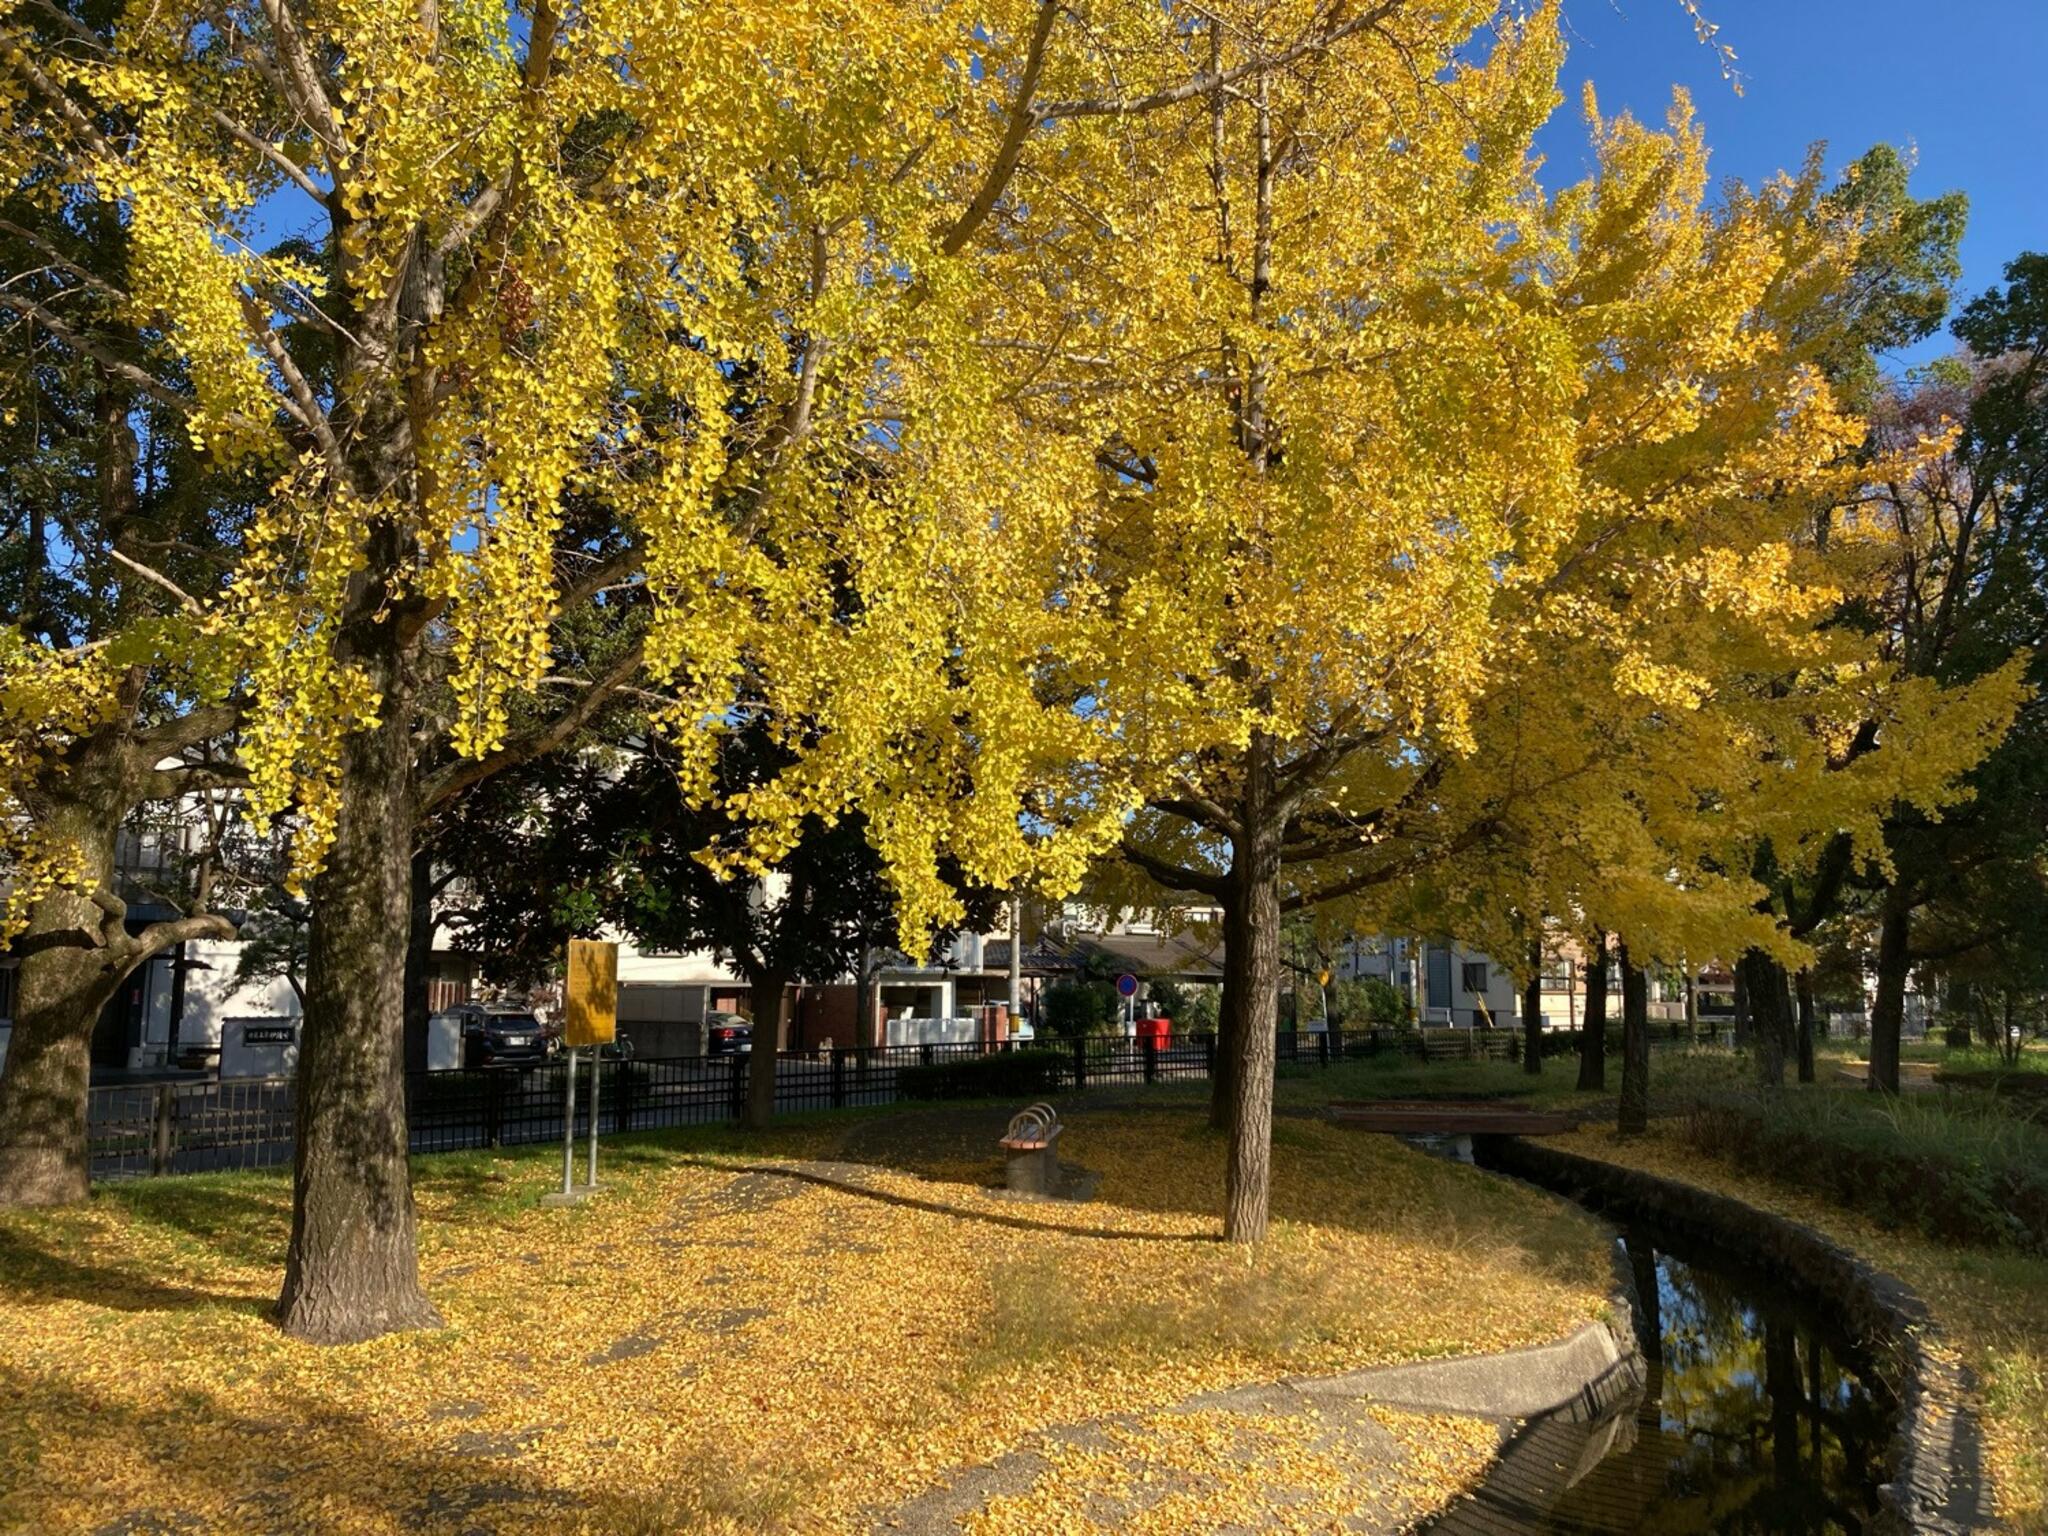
293	171
1024	117
545	738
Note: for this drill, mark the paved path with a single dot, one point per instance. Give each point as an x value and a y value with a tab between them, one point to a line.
1367	1452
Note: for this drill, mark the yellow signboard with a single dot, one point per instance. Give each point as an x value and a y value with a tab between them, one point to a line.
591	1016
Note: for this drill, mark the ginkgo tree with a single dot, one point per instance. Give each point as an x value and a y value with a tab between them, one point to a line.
541	263
679	313
1414	515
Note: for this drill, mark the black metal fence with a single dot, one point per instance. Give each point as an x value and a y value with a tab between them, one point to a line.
210	1125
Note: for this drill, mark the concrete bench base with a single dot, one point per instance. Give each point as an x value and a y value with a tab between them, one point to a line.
1032	1167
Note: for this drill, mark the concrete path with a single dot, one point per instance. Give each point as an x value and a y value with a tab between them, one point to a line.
1370	1450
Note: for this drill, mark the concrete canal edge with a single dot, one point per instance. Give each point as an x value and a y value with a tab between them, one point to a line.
1938	1484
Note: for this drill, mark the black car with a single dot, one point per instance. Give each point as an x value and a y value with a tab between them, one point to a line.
503	1038
727	1034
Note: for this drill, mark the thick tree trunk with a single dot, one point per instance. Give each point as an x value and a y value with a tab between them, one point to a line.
1742	1018
68	973
1692	1003
1888	1008
1593	1032
1251	946
1771	1024
1532	1012
1635	1048
64	981
1805	996
352	1269
768	998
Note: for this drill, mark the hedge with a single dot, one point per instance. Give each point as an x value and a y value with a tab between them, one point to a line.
1008	1074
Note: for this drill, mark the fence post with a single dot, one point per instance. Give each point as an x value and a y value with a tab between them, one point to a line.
1081	1063
1323	1047
494	1110
839	1079
736	1096
622	1096
1150	1046
160	1148
1209	1057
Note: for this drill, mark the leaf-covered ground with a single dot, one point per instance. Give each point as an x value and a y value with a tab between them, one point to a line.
707	1348
1988	1302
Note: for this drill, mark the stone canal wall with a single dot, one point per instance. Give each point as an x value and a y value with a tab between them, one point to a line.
1938	1484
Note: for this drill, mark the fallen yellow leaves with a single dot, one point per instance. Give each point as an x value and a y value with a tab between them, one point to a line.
707	1349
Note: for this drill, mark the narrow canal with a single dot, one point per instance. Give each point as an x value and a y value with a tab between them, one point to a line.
1756	1416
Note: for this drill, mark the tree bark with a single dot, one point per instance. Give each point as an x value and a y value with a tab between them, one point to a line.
1532	1012
66	978
1251	948
1771	1024
1888	1008
1593	1031
352	1268
1740	1023
768	998
1804	986
1635	1048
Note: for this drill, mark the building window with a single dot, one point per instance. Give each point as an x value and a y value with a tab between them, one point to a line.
1474	972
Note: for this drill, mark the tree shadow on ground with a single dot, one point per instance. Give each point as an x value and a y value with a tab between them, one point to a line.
38	1271
1323	1175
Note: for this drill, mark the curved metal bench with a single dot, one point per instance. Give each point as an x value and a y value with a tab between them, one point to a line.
1031	1151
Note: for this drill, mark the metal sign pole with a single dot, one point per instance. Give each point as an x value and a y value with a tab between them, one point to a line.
569	1130
596	1074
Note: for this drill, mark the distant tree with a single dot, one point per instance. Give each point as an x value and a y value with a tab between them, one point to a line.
1076	1007
606	838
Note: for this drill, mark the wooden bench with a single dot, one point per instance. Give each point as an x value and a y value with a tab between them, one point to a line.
1031	1164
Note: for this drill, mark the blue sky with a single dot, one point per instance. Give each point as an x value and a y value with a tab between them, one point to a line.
1961	81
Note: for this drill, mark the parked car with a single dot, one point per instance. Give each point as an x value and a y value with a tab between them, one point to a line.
727	1034
503	1037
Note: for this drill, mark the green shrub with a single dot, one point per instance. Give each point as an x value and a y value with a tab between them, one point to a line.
1075	1009
1007	1074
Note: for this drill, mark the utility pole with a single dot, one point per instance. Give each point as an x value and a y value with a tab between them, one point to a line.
1016	958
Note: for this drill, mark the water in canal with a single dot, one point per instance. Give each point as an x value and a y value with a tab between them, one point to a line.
1756	1417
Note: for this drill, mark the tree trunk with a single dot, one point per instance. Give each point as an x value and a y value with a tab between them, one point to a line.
1692	1003
1805	997
768	998
352	1269
1771	1023
1888	1008
1635	1048
1532	1013
1593	1031
66	978
1740	1022
1251	949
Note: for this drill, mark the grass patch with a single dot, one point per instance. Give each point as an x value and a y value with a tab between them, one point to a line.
1955	1166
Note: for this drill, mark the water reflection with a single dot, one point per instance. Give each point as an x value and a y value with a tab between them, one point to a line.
1749	1421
